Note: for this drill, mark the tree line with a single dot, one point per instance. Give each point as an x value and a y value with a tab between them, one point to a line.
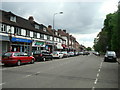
109	36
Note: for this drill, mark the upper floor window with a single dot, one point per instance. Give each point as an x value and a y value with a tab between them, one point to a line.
44	29
38	35
42	36
3	28
31	34
51	38
13	18
45	36
48	37
28	33
17	31
36	26
23	32
35	35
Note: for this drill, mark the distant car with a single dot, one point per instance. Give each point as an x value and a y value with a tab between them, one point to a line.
76	53
42	55
57	54
86	53
96	53
110	56
80	53
65	53
71	54
12	58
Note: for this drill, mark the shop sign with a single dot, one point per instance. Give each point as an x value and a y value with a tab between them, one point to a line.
38	43
20	40
4	38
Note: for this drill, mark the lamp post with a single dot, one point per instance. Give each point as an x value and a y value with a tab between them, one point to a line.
53	27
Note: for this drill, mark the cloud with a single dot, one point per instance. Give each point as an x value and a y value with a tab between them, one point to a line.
84	19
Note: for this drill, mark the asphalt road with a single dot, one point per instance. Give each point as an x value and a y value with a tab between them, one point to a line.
74	72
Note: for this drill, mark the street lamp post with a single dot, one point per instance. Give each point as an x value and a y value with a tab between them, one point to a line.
53	27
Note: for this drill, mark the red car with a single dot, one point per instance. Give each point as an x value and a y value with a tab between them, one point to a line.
17	58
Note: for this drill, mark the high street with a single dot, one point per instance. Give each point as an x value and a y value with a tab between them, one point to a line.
73	72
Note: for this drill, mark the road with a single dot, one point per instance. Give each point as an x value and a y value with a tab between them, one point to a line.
74	72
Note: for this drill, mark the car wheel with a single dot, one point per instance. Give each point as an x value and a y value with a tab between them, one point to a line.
51	58
32	61
44	59
18	62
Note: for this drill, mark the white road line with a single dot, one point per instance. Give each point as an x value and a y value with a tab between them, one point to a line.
28	75
96	81
2	84
98	75
99	70
93	88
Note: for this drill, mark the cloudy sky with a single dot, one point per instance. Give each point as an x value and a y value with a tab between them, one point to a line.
81	18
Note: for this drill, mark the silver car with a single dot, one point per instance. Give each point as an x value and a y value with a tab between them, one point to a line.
110	56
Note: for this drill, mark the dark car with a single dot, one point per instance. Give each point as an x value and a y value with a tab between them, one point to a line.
110	56
86	53
42	56
17	58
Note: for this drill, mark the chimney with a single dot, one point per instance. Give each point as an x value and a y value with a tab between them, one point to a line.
64	31
50	27
31	18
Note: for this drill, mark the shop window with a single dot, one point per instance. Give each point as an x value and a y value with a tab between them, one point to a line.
17	31
35	35
27	33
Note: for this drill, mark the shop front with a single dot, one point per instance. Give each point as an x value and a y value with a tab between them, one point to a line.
4	43
49	46
38	45
59	47
21	45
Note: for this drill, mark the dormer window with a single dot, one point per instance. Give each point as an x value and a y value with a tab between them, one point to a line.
13	18
36	26
44	29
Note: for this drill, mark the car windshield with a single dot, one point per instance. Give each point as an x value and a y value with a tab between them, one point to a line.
8	54
111	53
36	52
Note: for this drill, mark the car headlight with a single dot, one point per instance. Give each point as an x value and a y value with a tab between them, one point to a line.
105	55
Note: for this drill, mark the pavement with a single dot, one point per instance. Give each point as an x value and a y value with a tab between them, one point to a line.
118	60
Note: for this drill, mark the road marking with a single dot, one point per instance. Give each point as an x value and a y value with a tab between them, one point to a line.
28	75
99	70
96	81
2	84
93	88
98	75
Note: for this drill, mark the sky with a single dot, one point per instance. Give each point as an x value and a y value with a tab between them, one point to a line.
81	18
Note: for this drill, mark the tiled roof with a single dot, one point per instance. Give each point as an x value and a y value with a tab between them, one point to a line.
20	22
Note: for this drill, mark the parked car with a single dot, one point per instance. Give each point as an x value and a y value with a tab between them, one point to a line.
65	53
17	58
57	54
71	54
110	56
86	53
80	53
42	55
